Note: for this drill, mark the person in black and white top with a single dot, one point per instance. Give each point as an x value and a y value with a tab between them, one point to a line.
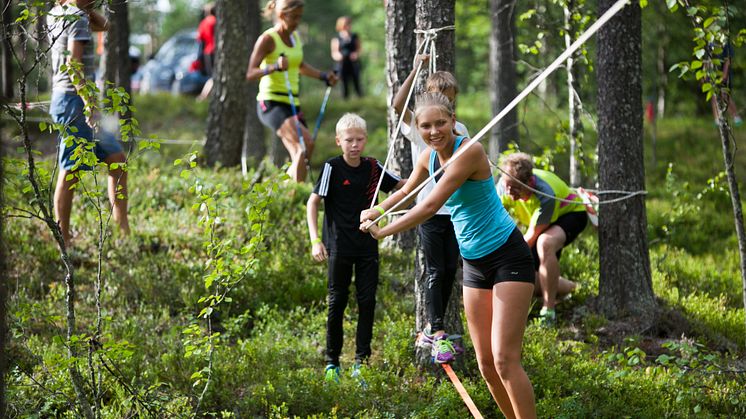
347	185
437	236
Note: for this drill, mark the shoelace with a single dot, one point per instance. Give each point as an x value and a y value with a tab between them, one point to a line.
444	346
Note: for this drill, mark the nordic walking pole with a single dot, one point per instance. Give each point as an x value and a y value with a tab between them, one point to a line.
321	111
297	120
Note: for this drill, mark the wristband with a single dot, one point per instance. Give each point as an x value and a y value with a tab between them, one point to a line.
317	240
323	76
276	67
379	209
265	70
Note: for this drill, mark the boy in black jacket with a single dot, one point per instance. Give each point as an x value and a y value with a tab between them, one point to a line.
347	185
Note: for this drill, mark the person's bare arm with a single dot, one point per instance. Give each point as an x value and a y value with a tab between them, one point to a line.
98	22
533	233
263	46
471	163
336	55
405	187
318	250
310	71
76	49
401	95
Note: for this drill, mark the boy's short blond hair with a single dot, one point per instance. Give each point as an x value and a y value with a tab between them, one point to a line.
351	120
440	81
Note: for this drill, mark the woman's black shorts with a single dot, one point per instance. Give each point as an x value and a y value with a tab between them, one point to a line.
572	224
273	114
510	262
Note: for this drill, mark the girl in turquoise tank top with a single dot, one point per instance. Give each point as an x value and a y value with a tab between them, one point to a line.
277	50
498	268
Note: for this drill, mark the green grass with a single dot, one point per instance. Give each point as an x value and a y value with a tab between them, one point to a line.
270	362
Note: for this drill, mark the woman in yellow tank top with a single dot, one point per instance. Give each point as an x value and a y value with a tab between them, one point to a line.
277	50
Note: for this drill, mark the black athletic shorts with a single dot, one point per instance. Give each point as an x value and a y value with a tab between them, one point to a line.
273	114
510	262
572	224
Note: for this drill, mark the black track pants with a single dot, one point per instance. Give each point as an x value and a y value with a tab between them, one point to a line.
366	283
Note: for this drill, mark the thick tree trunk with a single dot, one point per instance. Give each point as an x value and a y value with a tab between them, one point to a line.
6	60
502	75
573	102
228	100
435	14
115	62
255	147
400	50
625	284
3	298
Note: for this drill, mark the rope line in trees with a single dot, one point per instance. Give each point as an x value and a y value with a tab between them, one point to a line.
611	12
430	35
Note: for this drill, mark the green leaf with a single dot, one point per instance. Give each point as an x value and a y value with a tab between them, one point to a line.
708	21
696	65
185	174
42	126
671	4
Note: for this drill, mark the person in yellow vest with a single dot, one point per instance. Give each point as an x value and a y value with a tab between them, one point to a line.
552	224
279	49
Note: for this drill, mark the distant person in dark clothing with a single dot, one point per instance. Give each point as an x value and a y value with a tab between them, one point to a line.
725	58
206	38
346	52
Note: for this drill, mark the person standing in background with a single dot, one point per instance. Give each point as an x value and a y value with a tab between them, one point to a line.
206	39
346	53
71	26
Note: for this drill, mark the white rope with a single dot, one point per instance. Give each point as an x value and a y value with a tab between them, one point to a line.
392	140
627	194
613	10
429	39
433	33
30	105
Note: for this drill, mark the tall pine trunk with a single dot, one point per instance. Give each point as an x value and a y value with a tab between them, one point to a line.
3	296
115	62
625	284
435	14
502	75
255	147
400	50
573	101
6	59
229	99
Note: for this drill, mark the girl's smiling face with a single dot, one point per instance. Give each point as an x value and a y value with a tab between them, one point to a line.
436	127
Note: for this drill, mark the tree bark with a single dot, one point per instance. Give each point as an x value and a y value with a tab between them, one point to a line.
228	99
434	14
6	60
625	284
255	147
735	195
400	50
573	101
3	297
502	75
115	62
